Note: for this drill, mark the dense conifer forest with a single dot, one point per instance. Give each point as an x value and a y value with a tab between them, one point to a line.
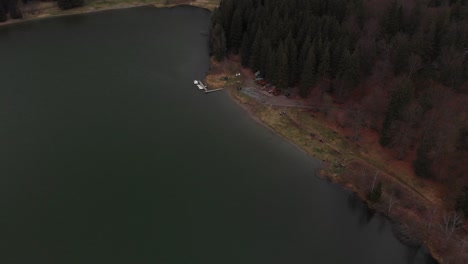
402	64
9	7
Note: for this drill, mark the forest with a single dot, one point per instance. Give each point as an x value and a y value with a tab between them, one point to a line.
11	9
400	67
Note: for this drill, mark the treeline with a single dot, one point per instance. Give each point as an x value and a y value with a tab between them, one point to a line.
9	7
13	8
404	64
341	40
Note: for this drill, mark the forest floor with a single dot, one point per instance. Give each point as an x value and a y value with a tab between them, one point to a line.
38	9
418	207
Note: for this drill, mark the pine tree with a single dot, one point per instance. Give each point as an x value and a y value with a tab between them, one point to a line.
400	99
352	72
255	58
218	40
303	55
324	66
267	57
376	194
462	202
308	76
293	65
227	8
348	74
282	70
3	15
269	68
335	57
402	53
245	51
15	12
236	31
392	20
422	163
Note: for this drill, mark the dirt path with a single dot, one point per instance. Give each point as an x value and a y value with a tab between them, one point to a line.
265	98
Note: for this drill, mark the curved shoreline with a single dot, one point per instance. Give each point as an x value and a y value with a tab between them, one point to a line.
403	229
54	11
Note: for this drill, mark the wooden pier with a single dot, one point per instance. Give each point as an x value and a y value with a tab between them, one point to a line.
214	90
201	86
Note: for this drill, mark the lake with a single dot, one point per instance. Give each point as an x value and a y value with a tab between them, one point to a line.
109	154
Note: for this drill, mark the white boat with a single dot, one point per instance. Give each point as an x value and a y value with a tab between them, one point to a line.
199	85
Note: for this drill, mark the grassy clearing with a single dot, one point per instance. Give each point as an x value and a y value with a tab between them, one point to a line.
289	123
222	75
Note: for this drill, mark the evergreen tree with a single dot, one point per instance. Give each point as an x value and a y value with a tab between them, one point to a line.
216	17
400	99
270	68
3	13
245	51
13	9
462	141
462	202
303	54
335	57
423	163
255	56
324	66
436	34
267	57
236	31
227	8
392	20
218	40
293	73
348	74
376	194
309	75
402	54
282	70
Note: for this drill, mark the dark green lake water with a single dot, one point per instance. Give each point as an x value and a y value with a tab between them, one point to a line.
109	154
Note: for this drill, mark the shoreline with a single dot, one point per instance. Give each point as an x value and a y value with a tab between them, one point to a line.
400	233
52	11
411	212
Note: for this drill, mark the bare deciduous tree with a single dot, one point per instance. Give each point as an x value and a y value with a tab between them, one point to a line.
451	222
463	244
363	177
392	202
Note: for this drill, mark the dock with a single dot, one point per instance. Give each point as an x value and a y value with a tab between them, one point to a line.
214	90
201	86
